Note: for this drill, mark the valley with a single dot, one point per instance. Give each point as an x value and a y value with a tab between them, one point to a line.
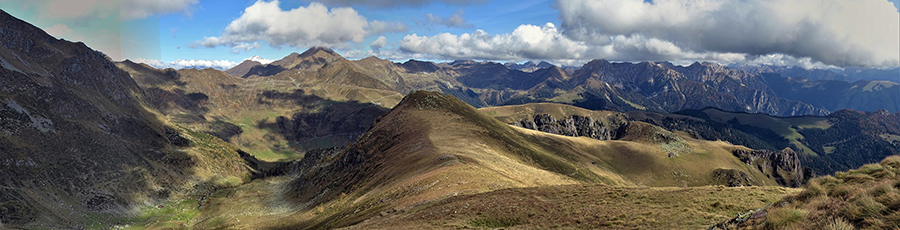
318	141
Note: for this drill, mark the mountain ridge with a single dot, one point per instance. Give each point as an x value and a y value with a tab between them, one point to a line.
78	142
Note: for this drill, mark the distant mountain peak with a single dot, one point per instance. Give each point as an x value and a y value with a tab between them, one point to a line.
315	50
259	59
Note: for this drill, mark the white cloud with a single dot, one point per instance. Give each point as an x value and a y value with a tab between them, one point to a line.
396	3
314	25
787	60
547	42
245	47
181	64
455	20
833	32
378	43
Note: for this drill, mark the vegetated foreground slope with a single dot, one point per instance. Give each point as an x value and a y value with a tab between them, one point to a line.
432	146
78	146
863	198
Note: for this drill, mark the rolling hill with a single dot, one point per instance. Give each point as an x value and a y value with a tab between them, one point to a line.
432	147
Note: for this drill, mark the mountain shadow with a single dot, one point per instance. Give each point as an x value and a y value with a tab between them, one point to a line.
78	144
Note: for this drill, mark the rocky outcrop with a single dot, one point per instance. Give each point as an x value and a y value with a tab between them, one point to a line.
732	178
784	166
574	126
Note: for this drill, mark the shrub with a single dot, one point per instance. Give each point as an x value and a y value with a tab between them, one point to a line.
838	224
893	161
783	218
856	178
863	207
842	191
813	189
868	169
891	200
828	182
881	189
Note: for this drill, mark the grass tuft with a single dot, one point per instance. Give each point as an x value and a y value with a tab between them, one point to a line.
838	224
785	218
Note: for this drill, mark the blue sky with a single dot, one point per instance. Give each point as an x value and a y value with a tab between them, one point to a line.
807	33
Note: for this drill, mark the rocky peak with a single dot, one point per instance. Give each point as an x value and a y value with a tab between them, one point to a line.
573	126
784	166
415	66
318	52
596	64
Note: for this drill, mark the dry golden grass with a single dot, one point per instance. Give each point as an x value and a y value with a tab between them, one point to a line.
581	207
866	198
437	150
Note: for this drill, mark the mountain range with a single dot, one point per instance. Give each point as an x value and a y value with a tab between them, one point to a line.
599	84
316	141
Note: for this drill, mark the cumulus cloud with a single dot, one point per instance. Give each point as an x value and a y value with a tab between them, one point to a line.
181	64
833	32
378	43
455	20
314	25
547	42
396	3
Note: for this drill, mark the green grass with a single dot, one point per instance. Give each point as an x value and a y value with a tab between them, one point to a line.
169	215
890	137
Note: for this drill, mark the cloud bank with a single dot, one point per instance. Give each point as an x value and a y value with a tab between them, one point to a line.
181	64
314	25
809	33
547	42
834	32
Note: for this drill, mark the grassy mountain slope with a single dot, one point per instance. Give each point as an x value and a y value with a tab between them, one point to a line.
433	147
274	120
864	198
839	141
78	145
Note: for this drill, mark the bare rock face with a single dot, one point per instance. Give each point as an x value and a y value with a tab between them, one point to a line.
784	166
574	126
